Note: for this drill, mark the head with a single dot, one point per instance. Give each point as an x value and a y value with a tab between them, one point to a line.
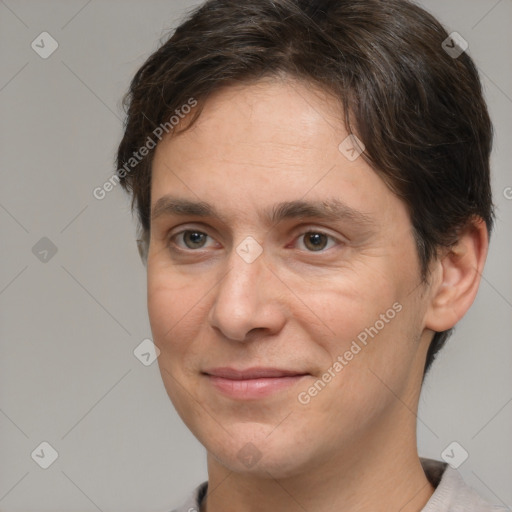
315	197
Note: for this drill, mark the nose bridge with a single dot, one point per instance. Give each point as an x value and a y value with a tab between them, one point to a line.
243	301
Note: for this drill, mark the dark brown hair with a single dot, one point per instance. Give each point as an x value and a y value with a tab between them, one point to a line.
418	110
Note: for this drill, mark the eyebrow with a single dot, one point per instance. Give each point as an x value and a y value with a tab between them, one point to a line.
329	210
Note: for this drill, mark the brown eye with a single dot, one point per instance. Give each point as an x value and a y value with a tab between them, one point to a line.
194	239
315	241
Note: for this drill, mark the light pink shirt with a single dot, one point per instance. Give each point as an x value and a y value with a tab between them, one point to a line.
451	493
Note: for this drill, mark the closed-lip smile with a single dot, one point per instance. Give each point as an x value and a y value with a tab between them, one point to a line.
251	373
252	383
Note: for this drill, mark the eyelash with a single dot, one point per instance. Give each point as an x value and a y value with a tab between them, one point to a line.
299	236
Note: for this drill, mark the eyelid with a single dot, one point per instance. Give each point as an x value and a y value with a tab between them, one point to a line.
172	235
190	226
315	228
299	232
320	231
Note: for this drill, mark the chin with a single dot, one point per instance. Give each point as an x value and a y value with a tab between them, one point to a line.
261	455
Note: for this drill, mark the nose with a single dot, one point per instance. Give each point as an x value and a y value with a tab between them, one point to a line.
246	301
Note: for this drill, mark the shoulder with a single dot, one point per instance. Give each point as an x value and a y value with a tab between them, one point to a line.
452	494
193	502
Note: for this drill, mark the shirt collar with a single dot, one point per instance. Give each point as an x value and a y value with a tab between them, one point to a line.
451	493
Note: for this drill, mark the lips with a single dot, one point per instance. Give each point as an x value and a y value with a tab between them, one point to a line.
252	373
252	383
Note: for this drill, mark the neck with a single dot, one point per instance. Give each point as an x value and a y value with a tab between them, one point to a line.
378	473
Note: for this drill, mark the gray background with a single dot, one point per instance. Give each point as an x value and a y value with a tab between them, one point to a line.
69	325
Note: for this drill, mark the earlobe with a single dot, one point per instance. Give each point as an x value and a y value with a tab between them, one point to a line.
459	274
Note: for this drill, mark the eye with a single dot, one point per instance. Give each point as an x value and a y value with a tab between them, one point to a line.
316	241
190	239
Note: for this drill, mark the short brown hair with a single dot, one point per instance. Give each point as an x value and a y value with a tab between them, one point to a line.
418	110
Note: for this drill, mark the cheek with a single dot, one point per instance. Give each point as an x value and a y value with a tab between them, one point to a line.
176	314
162	310
173	308
343	309
368	325
369	355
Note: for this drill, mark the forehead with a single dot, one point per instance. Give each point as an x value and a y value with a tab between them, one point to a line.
268	121
262	144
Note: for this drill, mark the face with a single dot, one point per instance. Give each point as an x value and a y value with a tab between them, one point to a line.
284	286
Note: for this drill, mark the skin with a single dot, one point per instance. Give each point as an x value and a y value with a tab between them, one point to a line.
353	446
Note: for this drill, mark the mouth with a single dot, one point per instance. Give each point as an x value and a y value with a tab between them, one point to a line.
252	383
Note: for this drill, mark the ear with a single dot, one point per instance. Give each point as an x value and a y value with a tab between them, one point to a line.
143	245
458	272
